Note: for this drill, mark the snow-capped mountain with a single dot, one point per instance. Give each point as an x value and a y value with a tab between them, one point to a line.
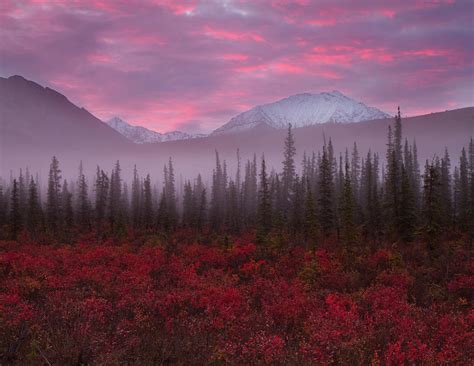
142	135
300	110
303	110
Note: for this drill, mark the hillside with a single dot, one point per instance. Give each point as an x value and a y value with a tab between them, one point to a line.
38	122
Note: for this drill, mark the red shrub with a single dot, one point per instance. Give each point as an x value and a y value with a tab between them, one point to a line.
126	304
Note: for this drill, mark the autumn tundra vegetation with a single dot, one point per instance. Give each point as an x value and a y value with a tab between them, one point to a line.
344	260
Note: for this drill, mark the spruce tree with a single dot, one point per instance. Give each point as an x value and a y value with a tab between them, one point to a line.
333	166
456	196
115	198
170	190
136	195
83	203
199	193
446	189
162	215
232	208
34	213
397	139
238	178
432	213
264	214
340	177
331	158
305	166
249	194
310	216
277	203
297	206
23	195
406	218
67	212
355	171
325	194
218	195
147	216
15	211
125	205
3	208
361	199
101	198
392	178
416	175
189	206
289	171
348	207
471	191
464	199
53	203
370	196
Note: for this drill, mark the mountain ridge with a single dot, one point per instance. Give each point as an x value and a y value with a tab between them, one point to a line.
33	115
301	110
35	125
143	135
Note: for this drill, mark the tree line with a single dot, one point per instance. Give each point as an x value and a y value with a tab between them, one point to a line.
348	196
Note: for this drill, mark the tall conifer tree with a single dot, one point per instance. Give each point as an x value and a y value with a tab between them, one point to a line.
15	211
53	204
264	214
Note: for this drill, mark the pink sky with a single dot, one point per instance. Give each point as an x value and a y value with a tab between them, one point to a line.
192	65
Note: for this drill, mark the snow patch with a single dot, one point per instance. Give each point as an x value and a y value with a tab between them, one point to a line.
142	135
303	110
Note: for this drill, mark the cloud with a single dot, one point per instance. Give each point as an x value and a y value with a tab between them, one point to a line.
195	64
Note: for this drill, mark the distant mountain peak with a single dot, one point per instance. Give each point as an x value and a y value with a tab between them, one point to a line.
143	135
19	80
117	122
304	109
19	77
40	116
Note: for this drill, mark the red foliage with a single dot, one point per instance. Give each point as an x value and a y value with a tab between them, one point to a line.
118	304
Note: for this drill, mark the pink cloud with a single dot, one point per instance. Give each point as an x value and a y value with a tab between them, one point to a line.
65	84
329	74
251	68
100	58
172	63
380	55
427	52
330	56
145	39
235	57
344	55
179	7
267	69
231	35
287	68
322	22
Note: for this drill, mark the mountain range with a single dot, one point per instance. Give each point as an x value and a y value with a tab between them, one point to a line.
37	123
302	110
32	115
299	110
142	135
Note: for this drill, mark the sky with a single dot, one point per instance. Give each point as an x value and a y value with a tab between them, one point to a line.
191	65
